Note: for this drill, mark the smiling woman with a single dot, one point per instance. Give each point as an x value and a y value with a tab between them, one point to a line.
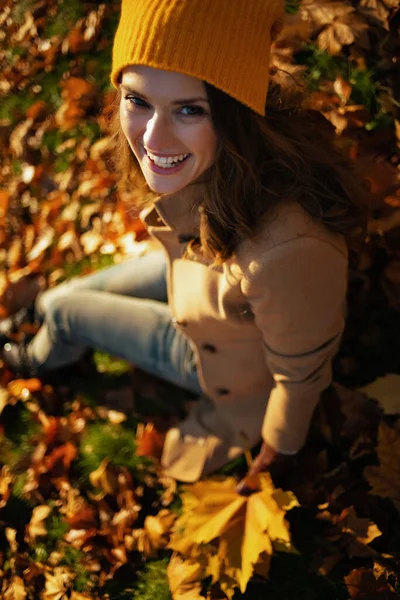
252	207
172	139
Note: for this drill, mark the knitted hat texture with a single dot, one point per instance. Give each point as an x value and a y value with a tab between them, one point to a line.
224	42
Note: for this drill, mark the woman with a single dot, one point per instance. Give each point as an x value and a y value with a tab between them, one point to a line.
245	302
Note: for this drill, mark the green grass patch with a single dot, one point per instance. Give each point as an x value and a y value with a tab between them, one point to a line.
152	582
105	363
107	441
69	11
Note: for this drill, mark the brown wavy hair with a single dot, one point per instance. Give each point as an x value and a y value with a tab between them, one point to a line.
288	155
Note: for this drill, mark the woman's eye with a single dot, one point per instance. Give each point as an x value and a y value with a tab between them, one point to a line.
192	111
136	102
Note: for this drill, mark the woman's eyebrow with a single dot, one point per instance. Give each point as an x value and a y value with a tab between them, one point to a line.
180	101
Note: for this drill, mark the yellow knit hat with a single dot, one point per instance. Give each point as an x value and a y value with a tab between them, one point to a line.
224	42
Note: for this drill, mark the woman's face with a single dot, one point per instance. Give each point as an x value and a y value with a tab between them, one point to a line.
166	119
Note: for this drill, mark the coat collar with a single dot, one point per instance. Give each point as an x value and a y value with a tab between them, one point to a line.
178	212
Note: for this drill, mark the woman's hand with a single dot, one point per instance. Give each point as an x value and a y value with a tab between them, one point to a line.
270	460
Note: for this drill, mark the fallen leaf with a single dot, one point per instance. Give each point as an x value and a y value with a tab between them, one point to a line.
11	535
36	527
65	453
362	583
184	578
104	478
243	528
22	388
378	10
324	12
343	89
155	534
16	590
150	441
358	533
6	480
57	584
333	38
386	390
385	479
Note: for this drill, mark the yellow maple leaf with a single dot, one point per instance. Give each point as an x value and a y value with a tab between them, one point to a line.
385	479
228	533
184	578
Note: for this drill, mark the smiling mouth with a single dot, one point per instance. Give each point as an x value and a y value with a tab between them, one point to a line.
167	162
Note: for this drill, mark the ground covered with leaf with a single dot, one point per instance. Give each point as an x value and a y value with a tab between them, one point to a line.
85	512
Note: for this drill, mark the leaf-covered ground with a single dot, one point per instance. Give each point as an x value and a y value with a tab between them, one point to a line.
84	510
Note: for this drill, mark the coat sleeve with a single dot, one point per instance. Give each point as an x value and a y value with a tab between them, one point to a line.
297	293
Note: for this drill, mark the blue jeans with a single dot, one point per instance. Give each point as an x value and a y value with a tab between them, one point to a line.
121	310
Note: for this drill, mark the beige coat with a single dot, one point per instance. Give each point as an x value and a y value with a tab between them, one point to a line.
264	328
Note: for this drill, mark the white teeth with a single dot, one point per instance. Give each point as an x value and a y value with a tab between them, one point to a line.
166	161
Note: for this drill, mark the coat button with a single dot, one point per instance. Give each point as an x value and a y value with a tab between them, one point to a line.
209	348
222	391
182	323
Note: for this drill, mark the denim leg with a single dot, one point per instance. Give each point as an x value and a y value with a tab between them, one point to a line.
137	329
112	310
143	277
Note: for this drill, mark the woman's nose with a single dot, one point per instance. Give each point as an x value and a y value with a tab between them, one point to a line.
158	135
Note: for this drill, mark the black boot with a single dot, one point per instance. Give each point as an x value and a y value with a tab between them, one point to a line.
10	325
15	356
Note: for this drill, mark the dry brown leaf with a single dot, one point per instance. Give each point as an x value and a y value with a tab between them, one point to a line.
155	534
324	12
11	535
378	11
343	89
184	578
19	140
362	583
334	37
385	479
358	532
91	241
6	480
244	528
16	590
105	478
57	585
36	527
386	390
361	414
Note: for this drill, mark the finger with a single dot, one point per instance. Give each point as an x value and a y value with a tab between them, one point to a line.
248	485
243	489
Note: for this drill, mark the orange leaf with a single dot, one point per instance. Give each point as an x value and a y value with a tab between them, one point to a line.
21	388
65	453
150	441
